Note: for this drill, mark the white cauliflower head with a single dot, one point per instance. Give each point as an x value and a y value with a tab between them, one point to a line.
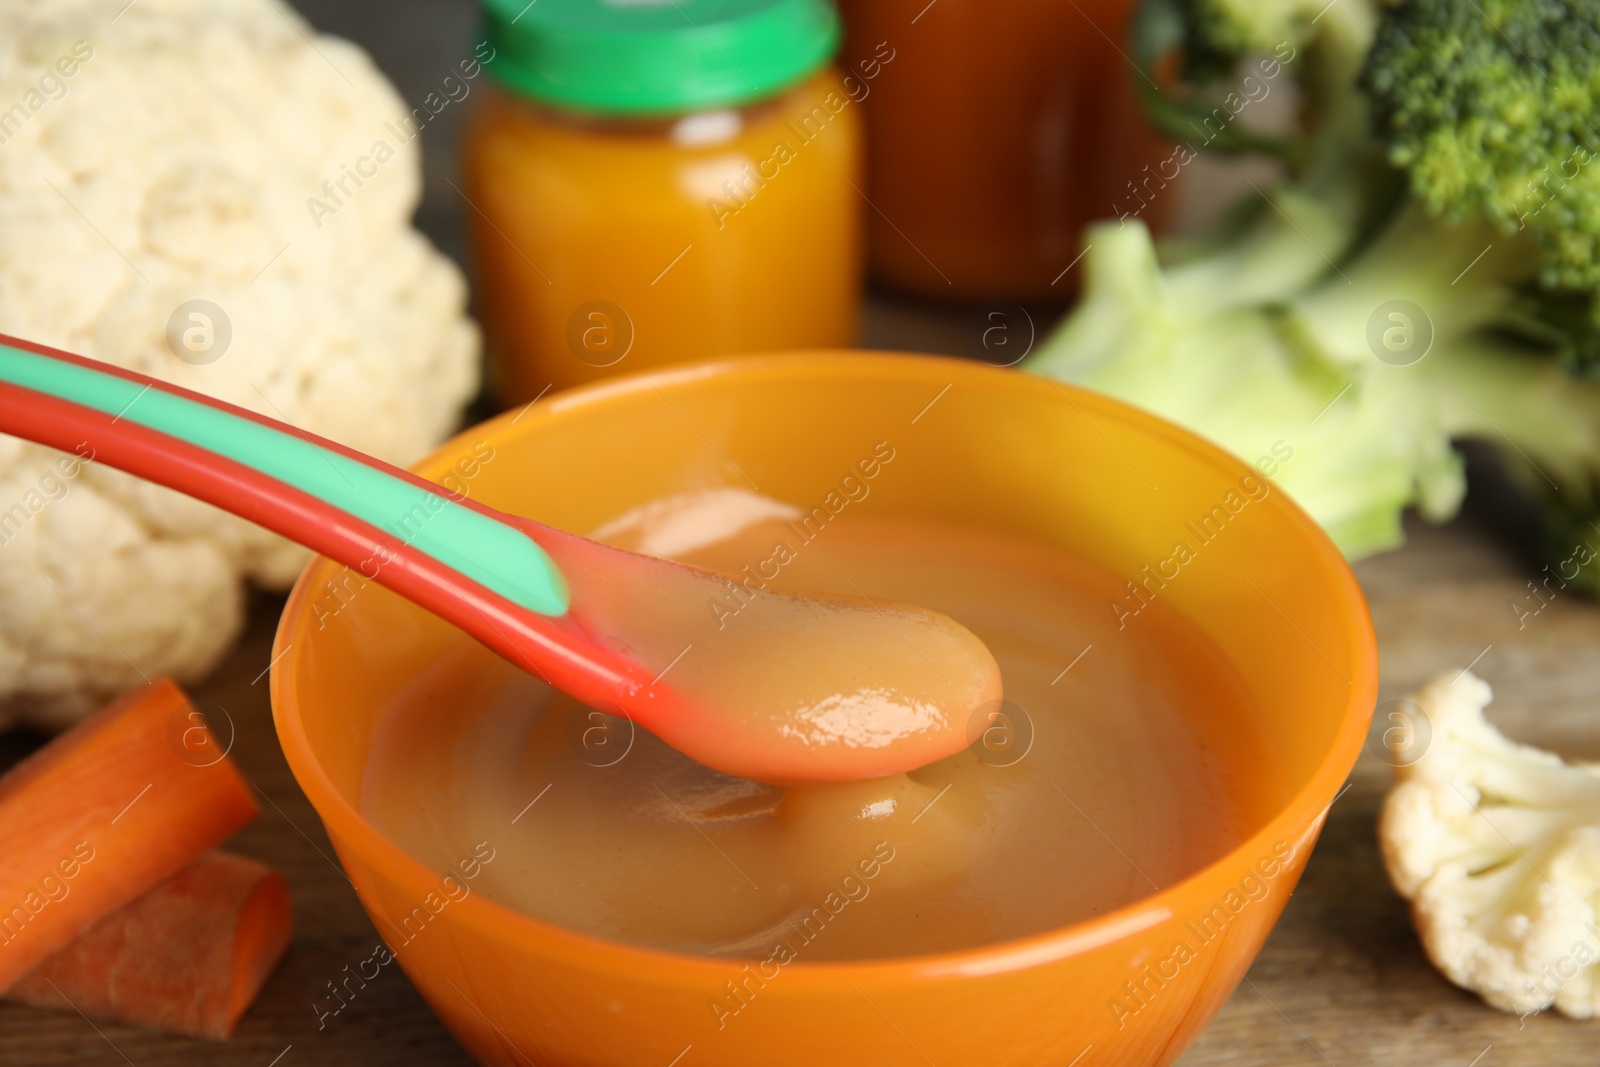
159	152
1497	846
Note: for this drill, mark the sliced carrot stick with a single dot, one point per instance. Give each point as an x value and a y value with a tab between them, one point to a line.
187	957
118	803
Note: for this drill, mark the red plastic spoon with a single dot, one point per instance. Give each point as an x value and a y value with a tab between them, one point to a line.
796	689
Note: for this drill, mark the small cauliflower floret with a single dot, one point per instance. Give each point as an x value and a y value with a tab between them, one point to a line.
1497	846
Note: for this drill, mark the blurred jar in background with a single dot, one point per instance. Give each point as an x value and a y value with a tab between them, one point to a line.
657	182
998	129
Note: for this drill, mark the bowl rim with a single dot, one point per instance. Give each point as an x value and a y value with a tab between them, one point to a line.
1297	819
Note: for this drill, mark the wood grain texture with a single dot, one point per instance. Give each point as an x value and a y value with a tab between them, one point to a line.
1341	981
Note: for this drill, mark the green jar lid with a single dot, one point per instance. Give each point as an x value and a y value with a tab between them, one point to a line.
655	57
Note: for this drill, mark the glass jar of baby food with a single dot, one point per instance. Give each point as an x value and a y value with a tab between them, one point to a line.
652	181
995	130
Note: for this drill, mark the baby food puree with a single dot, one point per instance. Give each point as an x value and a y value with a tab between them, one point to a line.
806	688
1102	776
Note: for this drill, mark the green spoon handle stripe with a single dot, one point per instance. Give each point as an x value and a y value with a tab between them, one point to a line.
495	554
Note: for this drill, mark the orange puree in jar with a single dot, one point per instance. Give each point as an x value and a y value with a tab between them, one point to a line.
1122	760
626	212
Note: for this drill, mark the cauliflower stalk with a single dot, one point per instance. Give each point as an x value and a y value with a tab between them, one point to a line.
1497	847
178	161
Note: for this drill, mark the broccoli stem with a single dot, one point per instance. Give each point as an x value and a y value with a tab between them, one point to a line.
1284	245
1461	276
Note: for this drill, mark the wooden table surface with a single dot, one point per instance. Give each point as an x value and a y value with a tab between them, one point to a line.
1341	981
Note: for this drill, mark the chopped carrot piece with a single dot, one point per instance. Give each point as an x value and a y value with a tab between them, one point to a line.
103	813
187	957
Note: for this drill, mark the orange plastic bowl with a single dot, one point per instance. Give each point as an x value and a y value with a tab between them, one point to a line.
973	445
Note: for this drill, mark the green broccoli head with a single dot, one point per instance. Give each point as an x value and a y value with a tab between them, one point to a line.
1486	105
1448	168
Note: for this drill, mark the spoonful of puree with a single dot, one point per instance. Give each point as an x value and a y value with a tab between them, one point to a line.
790	689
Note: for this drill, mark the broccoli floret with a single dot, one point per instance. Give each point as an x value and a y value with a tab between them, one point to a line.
1486	105
1415	278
